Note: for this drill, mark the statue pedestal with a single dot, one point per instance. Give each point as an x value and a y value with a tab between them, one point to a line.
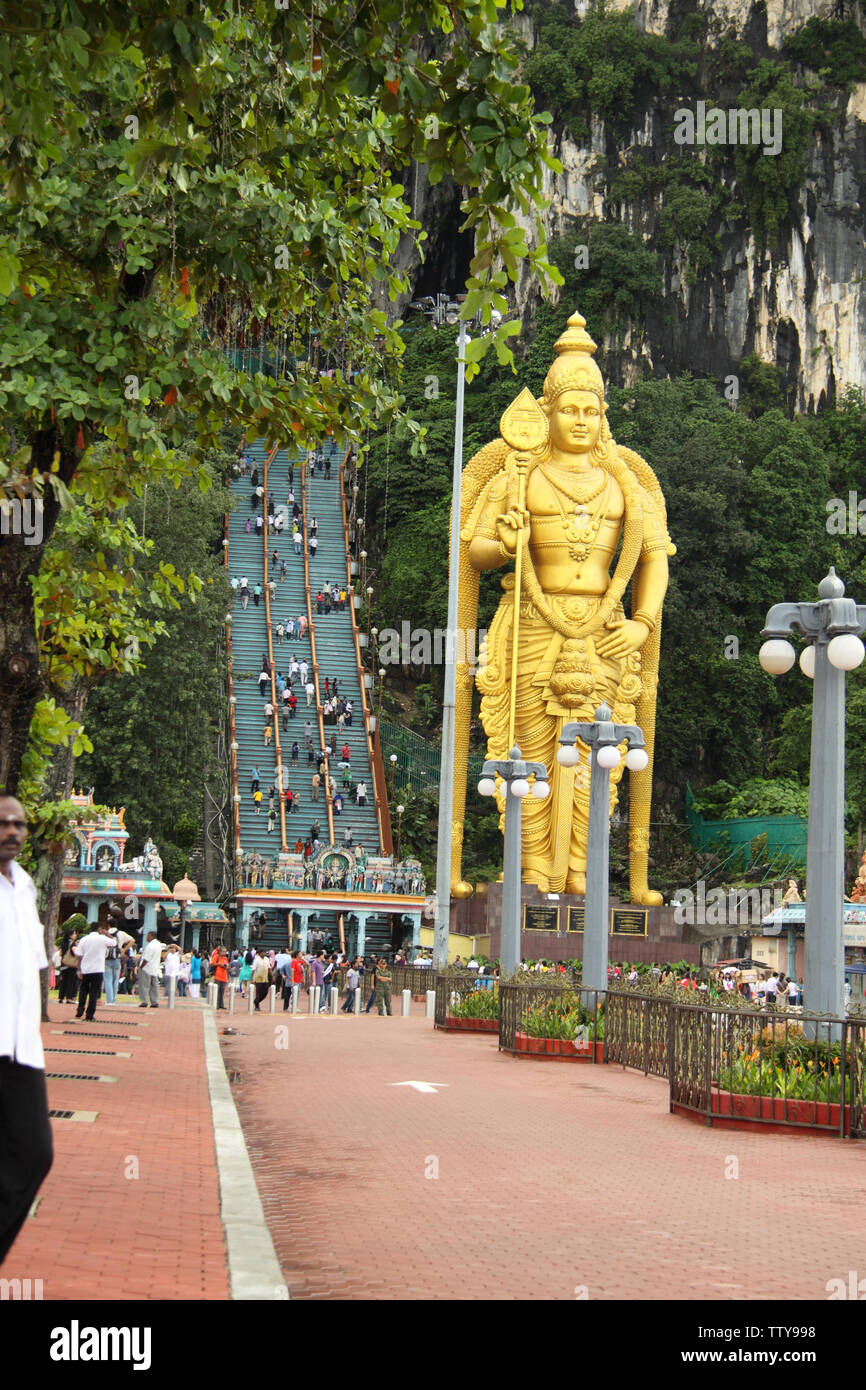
552	928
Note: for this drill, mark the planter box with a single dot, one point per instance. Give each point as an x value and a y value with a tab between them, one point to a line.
471	1025
563	1048
795	1112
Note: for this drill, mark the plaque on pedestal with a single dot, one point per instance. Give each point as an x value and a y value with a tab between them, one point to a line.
538	918
628	921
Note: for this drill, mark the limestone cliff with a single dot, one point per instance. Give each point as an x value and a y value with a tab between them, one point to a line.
796	298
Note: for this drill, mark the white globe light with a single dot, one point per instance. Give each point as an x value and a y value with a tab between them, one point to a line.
636	759
540	790
807	661
487	786
776	656
520	787
845	652
568	755
608	755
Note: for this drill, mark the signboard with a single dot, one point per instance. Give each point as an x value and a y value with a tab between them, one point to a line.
576	917
628	921
537	918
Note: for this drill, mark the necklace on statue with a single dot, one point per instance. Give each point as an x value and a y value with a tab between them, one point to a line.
582	528
578	487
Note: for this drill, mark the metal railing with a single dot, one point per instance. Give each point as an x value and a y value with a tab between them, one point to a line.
636	1031
768	1067
453	990
540	1018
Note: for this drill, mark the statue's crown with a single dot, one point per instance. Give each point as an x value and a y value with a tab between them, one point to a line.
574	369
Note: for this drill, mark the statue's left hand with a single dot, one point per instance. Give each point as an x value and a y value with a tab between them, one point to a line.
625	638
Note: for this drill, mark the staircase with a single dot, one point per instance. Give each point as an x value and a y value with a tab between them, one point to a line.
335	649
249	555
249	641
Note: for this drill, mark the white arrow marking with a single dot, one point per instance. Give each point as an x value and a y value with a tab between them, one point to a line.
428	1086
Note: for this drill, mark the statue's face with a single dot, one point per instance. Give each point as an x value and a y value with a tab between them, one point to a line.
575	423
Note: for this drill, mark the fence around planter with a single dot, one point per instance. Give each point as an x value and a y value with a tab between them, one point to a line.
551	1020
466	1003
770	1068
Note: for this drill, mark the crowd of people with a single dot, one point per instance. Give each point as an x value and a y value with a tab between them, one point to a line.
105	961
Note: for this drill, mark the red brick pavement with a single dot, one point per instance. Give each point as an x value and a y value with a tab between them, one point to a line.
552	1179
98	1234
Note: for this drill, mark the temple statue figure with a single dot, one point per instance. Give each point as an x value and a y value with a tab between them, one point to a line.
558	495
792	892
858	892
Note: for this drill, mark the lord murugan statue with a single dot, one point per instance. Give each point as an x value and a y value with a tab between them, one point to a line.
558	496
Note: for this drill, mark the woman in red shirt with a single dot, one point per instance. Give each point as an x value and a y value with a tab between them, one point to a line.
220	962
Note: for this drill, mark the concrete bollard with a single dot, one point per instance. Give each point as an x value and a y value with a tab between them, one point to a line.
272	999
172	985
296	998
211	995
335	1001
431	1004
356	1007
315	993
233	991
407	1003
251	997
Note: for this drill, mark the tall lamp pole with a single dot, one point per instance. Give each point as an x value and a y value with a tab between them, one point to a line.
515	773
602	738
449	704
832	629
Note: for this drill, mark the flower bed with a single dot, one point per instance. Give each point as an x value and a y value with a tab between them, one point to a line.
792	1112
477	1011
455	1024
570	1049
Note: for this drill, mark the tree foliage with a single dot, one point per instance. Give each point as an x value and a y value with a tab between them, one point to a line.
169	169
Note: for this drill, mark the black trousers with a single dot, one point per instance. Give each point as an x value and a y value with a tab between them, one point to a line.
68	986
26	1148
88	993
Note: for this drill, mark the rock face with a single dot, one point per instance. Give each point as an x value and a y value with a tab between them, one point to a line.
799	302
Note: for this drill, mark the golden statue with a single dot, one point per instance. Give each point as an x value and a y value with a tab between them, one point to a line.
558	501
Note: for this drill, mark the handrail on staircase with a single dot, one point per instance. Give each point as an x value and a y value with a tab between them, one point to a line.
277	747
314	664
380	791
236	805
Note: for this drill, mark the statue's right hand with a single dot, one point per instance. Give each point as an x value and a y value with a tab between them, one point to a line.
509	526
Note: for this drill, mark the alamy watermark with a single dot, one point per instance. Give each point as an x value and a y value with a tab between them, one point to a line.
19	518
736	907
846	518
419	646
736	126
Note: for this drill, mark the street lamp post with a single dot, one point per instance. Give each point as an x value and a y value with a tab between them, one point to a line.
400	810
449	703
602	738
515	773
831	627
393	761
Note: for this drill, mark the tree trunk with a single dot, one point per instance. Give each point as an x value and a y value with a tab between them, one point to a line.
49	870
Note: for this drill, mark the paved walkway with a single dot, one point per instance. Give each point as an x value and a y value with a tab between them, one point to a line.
131	1207
522	1178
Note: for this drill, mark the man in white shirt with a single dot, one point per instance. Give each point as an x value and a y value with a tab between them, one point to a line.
26	1149
91	951
171	966
148	972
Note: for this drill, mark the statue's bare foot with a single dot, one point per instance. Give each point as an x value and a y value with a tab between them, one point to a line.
576	883
541	882
646	897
